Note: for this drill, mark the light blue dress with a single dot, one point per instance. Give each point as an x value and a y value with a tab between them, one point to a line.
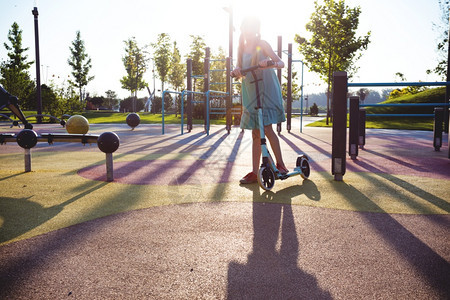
270	95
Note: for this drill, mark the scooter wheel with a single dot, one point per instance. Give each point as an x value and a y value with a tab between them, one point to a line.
266	178
303	163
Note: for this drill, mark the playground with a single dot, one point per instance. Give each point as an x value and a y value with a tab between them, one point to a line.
175	223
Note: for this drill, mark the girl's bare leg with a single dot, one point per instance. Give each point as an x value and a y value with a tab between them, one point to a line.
275	145
256	150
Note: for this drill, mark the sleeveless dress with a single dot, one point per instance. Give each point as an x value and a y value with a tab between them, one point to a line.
270	95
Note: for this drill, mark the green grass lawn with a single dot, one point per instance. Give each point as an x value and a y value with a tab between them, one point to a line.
95	117
406	123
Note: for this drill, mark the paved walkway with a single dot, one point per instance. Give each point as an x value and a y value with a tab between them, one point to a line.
175	224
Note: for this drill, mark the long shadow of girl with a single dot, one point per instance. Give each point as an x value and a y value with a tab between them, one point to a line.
272	274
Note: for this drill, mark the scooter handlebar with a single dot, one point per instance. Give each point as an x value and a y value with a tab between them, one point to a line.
252	68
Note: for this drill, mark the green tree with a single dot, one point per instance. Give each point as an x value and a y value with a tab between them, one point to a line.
177	74
197	54
177	69
442	46
111	100
162	57
80	63
132	104
314	110
135	62
296	89
157	103
14	71
219	63
362	93
333	45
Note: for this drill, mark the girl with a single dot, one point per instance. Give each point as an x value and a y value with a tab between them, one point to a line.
252	50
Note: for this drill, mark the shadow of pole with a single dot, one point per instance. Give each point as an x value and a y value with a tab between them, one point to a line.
429	264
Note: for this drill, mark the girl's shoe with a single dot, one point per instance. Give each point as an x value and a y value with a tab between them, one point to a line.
282	170
249	178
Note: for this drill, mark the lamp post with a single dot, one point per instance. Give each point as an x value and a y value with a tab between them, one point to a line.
38	73
229	10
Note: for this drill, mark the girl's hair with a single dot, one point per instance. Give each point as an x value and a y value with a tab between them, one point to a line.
249	25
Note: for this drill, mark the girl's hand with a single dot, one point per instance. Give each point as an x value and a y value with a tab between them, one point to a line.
268	63
236	73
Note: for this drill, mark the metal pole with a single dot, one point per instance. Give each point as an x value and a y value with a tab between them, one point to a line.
189	95
162	110
353	136
339	134
447	89
230	33
27	159
229	90
301	103
280	53
38	63
182	111
109	167
289	89
206	84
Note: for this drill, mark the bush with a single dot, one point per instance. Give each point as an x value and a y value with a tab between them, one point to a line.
52	104
126	105
314	110
157	104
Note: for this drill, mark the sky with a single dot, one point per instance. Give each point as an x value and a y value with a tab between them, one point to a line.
402	35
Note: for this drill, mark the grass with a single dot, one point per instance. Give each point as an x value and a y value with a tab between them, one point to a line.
436	95
405	123
95	117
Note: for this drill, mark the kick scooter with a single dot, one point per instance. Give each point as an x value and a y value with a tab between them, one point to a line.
268	171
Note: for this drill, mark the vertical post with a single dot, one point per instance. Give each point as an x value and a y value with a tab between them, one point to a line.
362	128
229	90
207	112
38	65
109	167
27	159
230	32
182	111
280	54
301	102
353	127
339	134
189	94
447	88
289	89
206	84
437	129
162	109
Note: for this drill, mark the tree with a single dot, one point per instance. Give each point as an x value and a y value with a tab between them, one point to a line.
177	69
135	62
80	63
314	110
197	54
111	99
334	45
442	45
157	103
162	57
362	93
14	72
177	74
296	89
132	104
219	63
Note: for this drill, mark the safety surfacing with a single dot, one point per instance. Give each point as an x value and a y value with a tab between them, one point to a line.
171	182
